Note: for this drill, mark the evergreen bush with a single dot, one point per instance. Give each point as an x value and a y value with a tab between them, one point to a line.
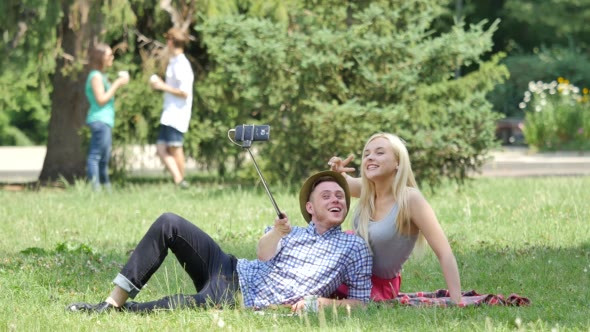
324	74
329	83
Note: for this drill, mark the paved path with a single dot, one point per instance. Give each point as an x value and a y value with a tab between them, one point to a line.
520	161
23	164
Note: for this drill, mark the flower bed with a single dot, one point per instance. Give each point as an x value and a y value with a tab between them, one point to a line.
557	116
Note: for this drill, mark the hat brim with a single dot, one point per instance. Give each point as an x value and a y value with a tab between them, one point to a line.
308	184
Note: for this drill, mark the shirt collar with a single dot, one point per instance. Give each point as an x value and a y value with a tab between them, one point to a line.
175	58
313	229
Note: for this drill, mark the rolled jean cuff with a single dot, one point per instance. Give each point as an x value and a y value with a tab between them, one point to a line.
126	285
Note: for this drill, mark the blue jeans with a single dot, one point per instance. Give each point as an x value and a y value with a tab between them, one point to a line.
213	271
99	154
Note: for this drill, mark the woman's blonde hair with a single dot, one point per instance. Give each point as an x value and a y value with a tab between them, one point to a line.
96	54
401	186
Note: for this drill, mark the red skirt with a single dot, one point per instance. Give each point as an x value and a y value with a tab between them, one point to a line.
383	289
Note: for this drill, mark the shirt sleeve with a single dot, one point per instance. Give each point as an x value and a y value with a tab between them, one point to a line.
358	274
283	241
184	75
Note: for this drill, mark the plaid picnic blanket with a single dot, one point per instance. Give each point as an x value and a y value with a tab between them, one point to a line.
440	298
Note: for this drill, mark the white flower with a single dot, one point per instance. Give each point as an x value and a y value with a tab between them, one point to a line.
518	321
220	323
543	102
527	94
522	105
532	86
552	91
527	99
538	108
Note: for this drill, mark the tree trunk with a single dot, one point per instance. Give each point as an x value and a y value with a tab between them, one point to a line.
66	157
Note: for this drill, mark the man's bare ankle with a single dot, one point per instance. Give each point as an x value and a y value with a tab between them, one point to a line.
110	300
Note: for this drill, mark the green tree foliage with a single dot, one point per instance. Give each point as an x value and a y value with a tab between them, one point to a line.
339	76
324	74
543	39
545	65
30	49
526	24
548	22
139	107
26	62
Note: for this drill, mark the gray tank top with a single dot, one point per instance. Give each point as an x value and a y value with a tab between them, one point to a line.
390	249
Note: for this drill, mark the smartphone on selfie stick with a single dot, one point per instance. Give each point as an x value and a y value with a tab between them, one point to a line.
244	135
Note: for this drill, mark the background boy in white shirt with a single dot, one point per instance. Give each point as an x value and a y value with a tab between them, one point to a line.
178	99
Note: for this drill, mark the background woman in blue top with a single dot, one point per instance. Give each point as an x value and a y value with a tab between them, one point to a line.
101	116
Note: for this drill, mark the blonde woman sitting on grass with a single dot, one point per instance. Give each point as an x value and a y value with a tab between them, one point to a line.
392	215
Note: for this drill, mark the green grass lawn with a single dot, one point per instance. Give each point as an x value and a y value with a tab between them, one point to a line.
526	236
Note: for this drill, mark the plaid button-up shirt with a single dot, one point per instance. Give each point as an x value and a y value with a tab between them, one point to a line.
308	263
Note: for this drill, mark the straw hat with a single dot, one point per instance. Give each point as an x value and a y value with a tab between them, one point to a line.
310	183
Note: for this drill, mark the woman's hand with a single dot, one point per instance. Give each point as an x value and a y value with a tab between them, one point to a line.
323	302
298	307
100	95
424	218
122	80
309	305
336	164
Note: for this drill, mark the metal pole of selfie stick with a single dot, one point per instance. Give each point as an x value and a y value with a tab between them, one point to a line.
246	146
246	143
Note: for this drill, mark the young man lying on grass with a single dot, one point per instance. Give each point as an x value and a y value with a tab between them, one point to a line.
293	262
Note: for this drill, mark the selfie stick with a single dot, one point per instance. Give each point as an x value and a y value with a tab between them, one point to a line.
246	145
272	200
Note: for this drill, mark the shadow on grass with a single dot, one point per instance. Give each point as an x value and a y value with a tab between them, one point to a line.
556	280
79	266
31	186
215	185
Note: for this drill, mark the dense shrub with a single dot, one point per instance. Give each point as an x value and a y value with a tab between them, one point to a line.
325	87
24	99
325	76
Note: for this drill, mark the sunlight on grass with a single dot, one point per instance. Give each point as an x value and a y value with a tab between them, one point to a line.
528	236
